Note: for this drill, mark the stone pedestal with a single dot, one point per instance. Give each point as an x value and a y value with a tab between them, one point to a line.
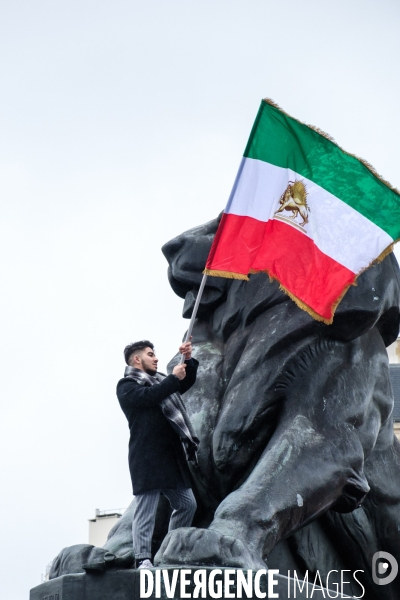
126	585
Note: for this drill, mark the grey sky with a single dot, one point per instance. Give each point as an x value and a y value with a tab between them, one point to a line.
123	124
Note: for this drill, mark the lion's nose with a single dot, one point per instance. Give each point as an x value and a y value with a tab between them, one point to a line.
171	249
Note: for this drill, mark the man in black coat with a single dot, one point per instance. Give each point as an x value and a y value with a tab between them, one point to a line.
161	440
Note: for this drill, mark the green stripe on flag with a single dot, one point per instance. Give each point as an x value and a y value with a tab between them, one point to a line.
282	141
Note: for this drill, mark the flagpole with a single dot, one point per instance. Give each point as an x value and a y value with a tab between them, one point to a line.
194	313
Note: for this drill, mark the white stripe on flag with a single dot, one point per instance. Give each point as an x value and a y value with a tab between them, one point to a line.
338	230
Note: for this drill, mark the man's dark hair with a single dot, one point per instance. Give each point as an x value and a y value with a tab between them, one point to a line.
131	348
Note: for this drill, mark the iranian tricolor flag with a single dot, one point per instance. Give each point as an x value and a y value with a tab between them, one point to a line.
304	211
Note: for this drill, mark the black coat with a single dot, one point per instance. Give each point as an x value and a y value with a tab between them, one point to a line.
156	456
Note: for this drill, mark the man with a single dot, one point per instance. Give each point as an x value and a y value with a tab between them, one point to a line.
162	439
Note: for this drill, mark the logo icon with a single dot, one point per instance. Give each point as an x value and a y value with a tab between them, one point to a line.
382	563
294	199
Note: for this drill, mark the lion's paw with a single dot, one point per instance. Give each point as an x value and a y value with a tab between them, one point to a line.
206	547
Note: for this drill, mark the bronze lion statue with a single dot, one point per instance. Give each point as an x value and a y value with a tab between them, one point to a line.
298	464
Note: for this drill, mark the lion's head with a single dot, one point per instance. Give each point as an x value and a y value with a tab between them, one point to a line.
245	335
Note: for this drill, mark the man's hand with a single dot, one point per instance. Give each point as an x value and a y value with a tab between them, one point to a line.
179	371
186	349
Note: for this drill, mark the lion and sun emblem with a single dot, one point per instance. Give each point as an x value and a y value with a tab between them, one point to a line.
294	200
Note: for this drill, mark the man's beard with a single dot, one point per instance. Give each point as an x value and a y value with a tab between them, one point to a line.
149	370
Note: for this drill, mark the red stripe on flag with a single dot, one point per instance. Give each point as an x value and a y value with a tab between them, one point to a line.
243	243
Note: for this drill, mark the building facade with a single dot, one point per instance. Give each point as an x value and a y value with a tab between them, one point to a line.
101	525
394	366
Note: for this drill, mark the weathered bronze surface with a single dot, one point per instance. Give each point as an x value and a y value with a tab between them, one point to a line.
298	464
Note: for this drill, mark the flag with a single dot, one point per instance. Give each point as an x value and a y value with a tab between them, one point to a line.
304	211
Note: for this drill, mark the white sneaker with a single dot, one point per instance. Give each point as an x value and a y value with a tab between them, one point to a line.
146	564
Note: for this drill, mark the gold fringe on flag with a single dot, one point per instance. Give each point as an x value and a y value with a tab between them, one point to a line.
299	302
226	274
296	300
382	255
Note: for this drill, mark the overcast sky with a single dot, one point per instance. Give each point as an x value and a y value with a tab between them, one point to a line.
123	124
